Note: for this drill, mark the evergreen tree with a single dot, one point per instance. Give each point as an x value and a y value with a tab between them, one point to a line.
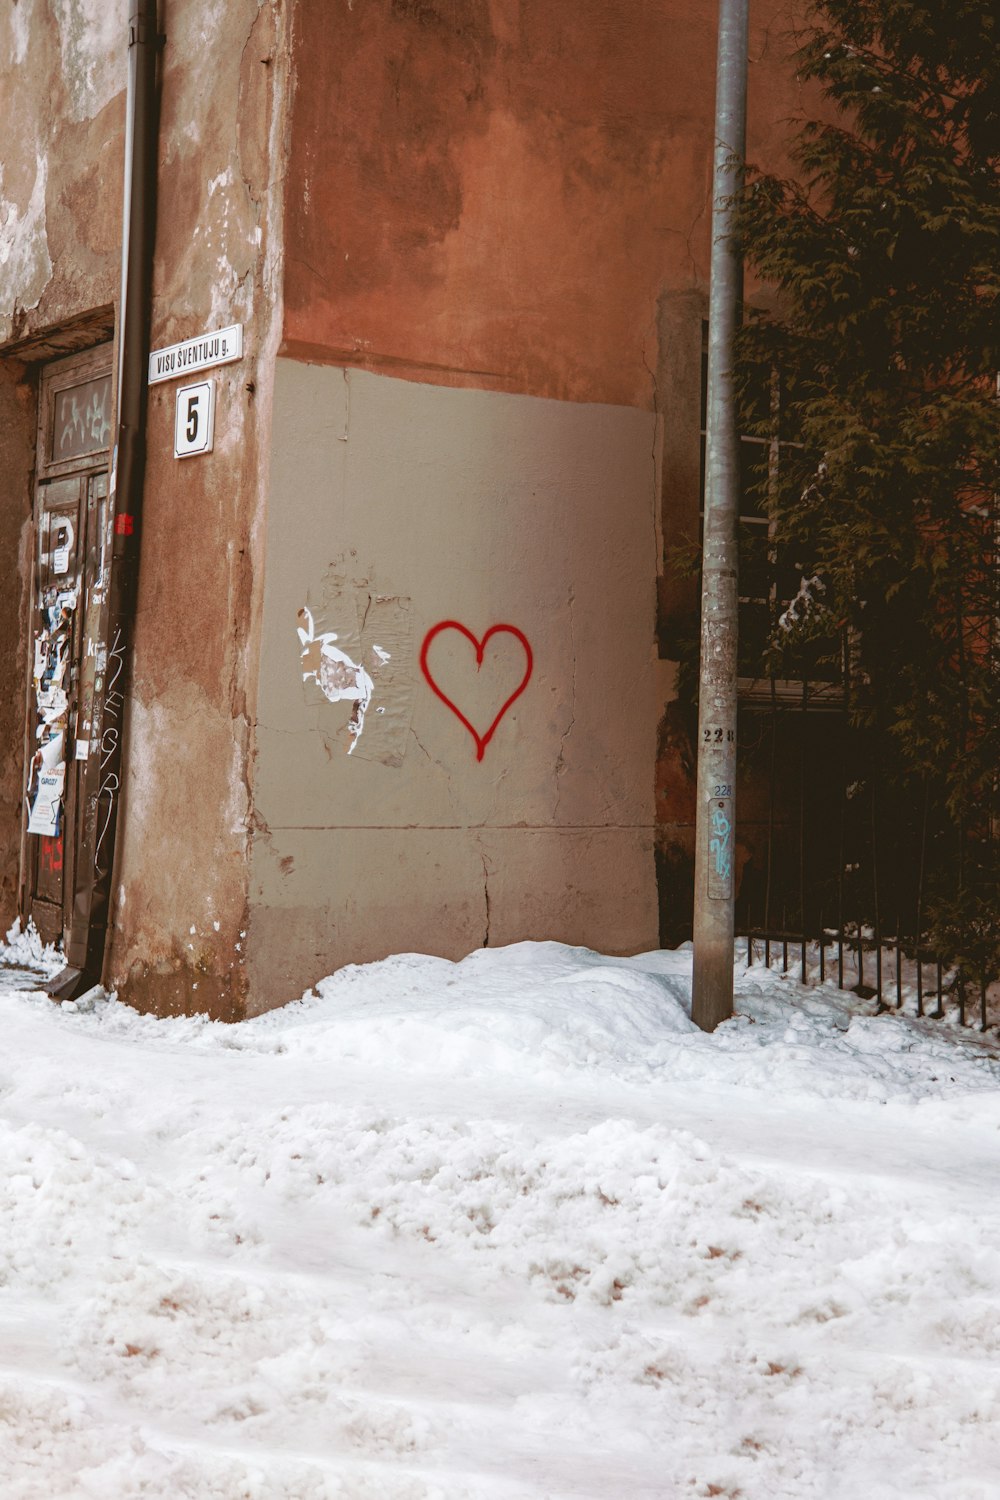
886	255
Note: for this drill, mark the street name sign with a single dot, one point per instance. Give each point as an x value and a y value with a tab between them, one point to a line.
202	352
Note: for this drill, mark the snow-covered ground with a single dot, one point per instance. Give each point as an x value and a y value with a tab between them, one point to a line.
510	1227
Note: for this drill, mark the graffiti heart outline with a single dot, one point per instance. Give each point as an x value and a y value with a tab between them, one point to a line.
482	740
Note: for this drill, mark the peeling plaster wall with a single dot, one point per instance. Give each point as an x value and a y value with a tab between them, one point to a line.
60	247
184	841
409	505
90	34
62	79
182	855
501	211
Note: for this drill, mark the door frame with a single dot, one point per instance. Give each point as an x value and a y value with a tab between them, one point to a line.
54	377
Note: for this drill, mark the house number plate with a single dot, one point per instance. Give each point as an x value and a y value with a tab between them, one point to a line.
194	419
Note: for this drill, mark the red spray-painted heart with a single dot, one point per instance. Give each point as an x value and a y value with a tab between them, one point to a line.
482	740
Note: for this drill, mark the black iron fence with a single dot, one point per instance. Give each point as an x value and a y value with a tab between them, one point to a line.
890	973
855	872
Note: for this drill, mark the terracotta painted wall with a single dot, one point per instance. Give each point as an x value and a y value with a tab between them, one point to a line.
182	870
499	193
183	865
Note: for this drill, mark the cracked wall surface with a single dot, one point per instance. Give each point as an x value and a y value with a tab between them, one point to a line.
510	202
181	878
478	235
480	508
62	110
62	78
181	916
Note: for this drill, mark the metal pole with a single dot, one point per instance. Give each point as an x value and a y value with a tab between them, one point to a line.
712	998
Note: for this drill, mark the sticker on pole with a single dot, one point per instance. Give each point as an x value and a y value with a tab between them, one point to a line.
720	848
194	420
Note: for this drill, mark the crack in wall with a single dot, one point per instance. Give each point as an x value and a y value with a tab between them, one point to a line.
704	207
486	898
497	789
654	467
345	435
561	757
432	758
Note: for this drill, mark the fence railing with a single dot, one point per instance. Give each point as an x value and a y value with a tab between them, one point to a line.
892	972
855	869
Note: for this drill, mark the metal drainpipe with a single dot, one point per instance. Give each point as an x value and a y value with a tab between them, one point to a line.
715	829
86	935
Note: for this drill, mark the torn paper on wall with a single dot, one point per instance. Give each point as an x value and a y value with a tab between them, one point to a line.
337	675
57	607
370	665
45	810
50	680
51	752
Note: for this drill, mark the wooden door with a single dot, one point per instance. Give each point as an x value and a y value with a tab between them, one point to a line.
70	527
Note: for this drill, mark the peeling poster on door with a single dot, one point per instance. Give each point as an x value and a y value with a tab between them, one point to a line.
45	809
47	768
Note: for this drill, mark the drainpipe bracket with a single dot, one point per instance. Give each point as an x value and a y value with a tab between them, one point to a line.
70	984
141	33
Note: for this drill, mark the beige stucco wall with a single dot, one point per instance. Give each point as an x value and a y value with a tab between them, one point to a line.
394	506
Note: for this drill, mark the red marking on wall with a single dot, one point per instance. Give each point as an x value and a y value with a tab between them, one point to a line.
124	525
482	740
52	855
